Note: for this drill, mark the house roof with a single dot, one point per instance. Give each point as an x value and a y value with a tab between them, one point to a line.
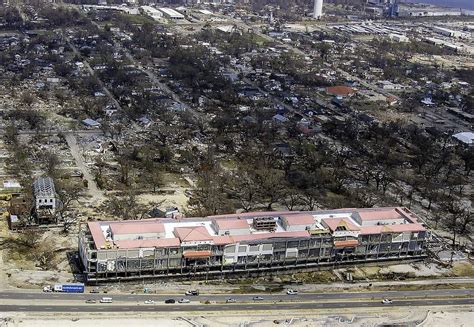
158	243
260	236
382	214
298	219
123	228
44	186
465	137
340	90
225	224
97	234
333	223
90	122
377	229
192	234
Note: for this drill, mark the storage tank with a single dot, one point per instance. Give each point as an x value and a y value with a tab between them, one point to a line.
318	9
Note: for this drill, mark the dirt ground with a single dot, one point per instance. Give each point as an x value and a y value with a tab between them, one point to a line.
411	317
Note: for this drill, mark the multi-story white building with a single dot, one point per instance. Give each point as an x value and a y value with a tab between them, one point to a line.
248	243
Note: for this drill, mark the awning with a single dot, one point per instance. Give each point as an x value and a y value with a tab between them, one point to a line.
197	254
347	243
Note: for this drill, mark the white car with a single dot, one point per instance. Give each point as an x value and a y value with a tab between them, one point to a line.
292	292
387	301
149	302
183	301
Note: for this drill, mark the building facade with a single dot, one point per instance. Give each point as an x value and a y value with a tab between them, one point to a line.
247	243
44	193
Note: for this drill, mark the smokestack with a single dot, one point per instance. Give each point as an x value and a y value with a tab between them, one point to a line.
318	9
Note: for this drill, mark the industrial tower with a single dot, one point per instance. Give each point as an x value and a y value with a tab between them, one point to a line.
318	9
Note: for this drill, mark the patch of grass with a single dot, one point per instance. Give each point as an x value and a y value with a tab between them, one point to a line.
370	272
229	164
315	277
463	269
260	40
250	289
175	179
137	19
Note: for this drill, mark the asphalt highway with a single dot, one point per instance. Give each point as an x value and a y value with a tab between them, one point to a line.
442	293
227	307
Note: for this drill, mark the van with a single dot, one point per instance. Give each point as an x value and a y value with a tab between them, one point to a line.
106	300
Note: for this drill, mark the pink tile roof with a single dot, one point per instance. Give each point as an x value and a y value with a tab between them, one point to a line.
138	227
298	219
158	243
97	234
190	234
332	223
260	236
231	224
377	229
382	214
222	240
252	214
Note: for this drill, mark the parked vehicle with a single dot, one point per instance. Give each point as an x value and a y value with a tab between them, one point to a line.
106	300
91	301
292	292
170	301
257	298
65	288
230	300
149	302
94	291
183	301
387	301
192	293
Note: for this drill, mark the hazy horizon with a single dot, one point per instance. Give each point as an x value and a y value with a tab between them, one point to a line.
464	4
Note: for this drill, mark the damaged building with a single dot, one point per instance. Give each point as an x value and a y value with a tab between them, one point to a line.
248	243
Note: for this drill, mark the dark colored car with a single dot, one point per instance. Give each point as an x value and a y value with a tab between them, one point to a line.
169	301
94	290
192	293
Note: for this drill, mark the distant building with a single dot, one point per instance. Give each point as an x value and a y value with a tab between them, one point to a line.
152	12
398	37
341	91
44	193
171	13
91	123
465	137
450	33
253	242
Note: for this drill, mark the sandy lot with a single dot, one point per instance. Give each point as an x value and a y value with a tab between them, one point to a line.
410	317
443	319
